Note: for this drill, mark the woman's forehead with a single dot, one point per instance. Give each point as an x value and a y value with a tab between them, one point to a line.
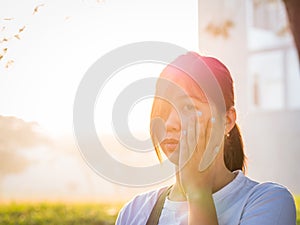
179	83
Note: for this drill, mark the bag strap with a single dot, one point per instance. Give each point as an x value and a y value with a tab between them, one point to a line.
156	211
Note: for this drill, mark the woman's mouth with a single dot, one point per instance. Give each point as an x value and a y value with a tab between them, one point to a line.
169	144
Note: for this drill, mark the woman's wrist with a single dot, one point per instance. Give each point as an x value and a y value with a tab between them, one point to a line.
199	195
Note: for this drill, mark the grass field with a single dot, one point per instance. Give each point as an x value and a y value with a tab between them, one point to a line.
67	213
58	213
297	200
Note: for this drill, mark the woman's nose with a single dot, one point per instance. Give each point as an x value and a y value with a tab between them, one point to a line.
173	122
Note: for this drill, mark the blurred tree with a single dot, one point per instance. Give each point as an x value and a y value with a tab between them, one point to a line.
16	137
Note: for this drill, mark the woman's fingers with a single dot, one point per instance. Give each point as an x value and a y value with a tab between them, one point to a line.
200	131
183	151
193	139
213	140
191	135
208	133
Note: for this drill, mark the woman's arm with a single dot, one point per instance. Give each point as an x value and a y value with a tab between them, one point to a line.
197	186
202	208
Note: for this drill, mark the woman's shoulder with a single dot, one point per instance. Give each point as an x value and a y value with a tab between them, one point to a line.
146	197
271	190
272	200
257	190
140	206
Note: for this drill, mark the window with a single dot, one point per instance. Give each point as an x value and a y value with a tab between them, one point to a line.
273	65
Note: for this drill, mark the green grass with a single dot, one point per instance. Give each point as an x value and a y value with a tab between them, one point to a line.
68	213
58	213
297	200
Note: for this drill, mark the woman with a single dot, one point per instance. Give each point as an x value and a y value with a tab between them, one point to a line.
195	101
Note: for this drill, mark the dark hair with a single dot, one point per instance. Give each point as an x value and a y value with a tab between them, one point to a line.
234	156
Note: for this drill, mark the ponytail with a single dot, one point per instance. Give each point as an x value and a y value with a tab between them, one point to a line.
234	156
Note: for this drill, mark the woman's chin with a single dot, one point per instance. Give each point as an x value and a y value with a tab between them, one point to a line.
174	157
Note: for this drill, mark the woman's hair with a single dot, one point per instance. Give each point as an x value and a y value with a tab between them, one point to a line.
234	156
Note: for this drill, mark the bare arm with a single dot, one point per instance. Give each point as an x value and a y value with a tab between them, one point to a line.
202	208
198	186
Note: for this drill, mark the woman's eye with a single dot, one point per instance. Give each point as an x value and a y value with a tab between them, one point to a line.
189	107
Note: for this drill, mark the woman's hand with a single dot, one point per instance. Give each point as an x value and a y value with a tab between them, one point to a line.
197	186
193	143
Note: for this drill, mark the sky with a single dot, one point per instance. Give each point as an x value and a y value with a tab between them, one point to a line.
64	38
46	48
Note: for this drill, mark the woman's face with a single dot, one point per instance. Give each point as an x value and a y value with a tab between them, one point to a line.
180	99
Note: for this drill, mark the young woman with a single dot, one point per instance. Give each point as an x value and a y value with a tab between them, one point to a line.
199	134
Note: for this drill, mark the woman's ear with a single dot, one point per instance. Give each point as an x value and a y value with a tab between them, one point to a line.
230	119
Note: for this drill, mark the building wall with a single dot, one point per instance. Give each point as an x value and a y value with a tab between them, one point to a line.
272	146
271	135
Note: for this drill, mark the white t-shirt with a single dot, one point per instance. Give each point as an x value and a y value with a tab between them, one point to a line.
242	201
